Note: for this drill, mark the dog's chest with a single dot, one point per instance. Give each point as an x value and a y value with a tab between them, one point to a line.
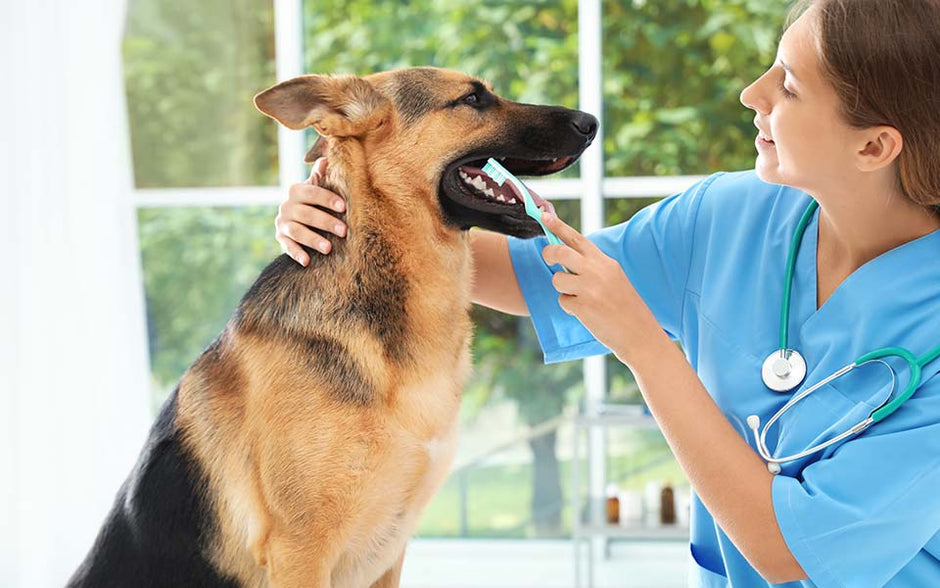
409	484
424	430
421	441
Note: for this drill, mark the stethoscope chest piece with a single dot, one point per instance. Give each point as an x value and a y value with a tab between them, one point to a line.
783	370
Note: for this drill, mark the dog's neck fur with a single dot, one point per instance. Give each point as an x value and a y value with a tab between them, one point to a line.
401	208
394	220
399	270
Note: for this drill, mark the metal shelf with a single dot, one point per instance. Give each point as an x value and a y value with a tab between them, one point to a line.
585	529
636	532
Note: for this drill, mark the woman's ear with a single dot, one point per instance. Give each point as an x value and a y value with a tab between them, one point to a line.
336	106
882	147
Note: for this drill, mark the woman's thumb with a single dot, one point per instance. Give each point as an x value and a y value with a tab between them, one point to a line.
318	170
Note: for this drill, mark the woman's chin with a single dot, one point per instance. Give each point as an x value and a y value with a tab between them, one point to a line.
768	170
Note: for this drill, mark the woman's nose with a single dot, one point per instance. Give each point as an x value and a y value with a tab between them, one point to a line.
753	98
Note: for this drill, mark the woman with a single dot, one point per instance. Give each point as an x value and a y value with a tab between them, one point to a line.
848	117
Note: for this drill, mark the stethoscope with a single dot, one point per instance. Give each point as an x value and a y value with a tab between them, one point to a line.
784	370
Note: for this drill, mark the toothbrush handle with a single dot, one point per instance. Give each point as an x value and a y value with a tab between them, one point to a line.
554	240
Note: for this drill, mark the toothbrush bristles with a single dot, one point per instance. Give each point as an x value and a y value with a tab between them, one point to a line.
491	170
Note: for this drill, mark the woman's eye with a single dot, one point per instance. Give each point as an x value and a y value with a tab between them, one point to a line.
471	98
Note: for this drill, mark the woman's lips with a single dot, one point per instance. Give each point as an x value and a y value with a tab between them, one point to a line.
763	142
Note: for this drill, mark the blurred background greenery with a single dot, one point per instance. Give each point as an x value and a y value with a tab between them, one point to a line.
672	72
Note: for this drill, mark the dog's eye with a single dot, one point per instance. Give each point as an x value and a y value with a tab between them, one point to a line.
471	98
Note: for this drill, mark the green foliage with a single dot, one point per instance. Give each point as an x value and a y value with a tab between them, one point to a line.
198	263
191	70
528	50
673	71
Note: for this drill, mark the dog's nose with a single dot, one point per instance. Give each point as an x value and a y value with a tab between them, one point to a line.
585	124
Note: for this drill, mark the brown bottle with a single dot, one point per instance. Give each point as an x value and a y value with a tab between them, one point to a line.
667	505
613	505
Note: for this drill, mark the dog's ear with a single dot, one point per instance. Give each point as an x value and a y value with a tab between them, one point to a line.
317	150
336	106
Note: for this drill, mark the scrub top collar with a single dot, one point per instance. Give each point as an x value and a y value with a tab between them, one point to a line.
875	287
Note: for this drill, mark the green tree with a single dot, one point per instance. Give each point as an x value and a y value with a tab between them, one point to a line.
673	70
191	70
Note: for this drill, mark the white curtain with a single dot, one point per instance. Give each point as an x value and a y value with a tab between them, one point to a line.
74	407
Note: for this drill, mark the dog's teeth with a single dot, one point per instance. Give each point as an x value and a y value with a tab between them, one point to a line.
513	201
479	183
488	192
500	198
554	160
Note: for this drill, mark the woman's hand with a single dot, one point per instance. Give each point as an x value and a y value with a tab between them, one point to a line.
297	216
598	293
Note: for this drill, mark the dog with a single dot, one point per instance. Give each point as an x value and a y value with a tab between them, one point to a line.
302	445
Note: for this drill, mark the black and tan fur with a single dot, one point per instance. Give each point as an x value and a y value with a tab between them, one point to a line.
302	445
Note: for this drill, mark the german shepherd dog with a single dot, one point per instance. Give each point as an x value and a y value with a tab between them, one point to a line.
302	445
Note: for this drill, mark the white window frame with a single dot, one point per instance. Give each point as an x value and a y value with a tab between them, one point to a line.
591	188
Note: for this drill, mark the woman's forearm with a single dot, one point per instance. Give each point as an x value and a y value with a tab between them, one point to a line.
730	478
494	283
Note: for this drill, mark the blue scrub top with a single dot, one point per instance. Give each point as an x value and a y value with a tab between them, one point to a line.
710	263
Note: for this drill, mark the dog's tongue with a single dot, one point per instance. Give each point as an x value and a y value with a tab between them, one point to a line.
509	189
539	201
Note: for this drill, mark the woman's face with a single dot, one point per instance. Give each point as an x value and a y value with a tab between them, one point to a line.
803	140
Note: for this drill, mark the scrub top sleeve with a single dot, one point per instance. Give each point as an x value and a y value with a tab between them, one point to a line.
859	516
655	250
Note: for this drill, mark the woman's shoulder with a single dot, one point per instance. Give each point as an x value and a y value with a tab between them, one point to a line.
741	197
745	187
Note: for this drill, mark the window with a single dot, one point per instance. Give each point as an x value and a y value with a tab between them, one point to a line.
209	170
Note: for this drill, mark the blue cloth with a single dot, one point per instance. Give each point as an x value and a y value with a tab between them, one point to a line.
710	264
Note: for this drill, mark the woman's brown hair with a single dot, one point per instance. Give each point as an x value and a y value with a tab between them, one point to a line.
883	59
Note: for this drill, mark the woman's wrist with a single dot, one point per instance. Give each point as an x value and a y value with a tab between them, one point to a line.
643	340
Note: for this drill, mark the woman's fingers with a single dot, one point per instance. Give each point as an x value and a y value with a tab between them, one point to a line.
564	256
566	233
295	220
317	171
295	251
309	194
292	233
566	283
298	216
311	216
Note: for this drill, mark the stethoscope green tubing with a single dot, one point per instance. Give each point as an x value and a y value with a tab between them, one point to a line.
791	263
915	364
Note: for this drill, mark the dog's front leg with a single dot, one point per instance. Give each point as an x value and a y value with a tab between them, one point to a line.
391	578
299	561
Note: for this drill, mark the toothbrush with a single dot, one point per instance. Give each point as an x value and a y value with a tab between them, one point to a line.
500	175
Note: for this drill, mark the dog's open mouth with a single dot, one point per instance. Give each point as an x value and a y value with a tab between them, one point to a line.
479	185
467	183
